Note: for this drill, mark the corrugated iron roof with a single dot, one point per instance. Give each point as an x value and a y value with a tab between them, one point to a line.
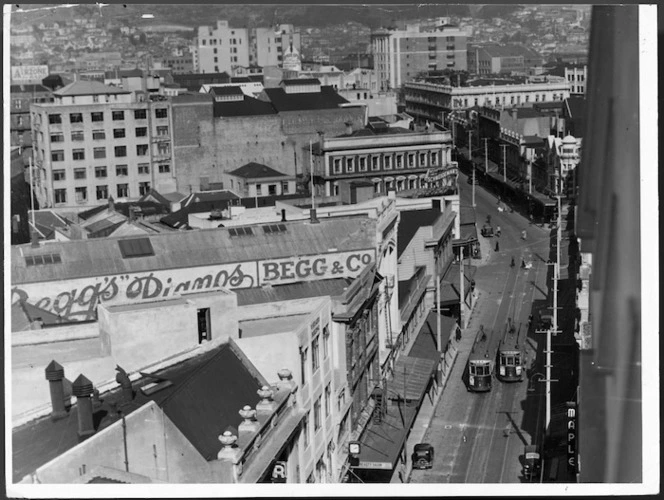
99	257
82	87
333	287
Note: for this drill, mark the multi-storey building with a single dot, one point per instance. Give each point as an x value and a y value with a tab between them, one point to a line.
96	141
221	48
269	46
20	124
180	62
400	55
575	74
428	101
392	158
496	59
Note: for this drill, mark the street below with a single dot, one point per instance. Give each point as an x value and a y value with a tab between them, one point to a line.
480	437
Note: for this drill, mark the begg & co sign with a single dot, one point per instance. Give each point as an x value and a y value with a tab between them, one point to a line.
318	267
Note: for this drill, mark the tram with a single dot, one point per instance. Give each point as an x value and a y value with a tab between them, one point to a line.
511	354
480	364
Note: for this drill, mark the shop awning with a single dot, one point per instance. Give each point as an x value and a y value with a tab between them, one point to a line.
425	343
382	442
449	285
411	377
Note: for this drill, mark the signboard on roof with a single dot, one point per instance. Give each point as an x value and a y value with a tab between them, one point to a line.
77	299
29	74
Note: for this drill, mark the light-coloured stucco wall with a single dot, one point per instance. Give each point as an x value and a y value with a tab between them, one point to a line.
139	335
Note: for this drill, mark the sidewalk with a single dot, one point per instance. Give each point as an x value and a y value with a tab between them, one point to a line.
451	360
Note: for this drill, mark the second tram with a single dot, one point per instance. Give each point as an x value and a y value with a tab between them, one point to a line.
511	354
480	364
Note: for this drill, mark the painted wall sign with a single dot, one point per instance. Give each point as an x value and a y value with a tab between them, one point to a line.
25	74
77	299
314	267
571	436
447	173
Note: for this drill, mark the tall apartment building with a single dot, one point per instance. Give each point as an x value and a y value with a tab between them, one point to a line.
400	55
221	48
268	46
96	141
224	48
496	59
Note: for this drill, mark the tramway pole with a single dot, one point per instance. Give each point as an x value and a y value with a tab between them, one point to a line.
470	157
462	289
554	326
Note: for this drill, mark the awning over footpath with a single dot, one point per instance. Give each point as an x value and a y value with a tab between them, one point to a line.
449	284
383	441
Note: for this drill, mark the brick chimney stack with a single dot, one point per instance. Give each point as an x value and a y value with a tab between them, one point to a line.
55	375
111	204
83	389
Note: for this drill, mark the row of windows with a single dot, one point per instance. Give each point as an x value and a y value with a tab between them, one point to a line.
98	116
101	192
396	185
100	152
118	133
318	421
215	41
102	171
315	362
388	161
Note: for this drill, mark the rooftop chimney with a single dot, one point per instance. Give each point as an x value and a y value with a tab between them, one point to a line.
55	374
514	113
34	239
283	215
312	216
132	214
321	138
436	205
111	204
122	378
83	389
349	128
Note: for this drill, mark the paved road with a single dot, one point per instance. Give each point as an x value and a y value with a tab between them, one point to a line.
479	438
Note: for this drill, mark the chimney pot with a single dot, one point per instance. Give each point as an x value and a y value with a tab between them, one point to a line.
83	389
34	239
55	374
111	204
312	216
283	215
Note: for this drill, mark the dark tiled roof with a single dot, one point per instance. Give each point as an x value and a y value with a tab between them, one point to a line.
301	81
231	90
332	287
250	106
368	132
576	106
240	79
411	221
327	98
254	170
208	196
147	208
206	395
533	140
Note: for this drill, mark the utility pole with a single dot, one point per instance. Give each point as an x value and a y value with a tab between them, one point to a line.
530	176
554	325
470	157
486	156
504	147
462	289
439	333
32	197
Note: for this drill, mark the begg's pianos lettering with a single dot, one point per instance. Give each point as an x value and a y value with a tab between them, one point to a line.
77	300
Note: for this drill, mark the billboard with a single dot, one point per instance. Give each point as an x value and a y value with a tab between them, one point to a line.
29	74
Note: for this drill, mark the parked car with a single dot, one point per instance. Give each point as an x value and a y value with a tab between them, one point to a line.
422	456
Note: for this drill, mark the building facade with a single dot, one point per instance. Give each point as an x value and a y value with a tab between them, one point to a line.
401	55
271	46
221	47
390	158
496	59
19	115
96	141
427	101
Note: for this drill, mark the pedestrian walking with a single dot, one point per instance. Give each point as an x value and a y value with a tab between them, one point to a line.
497	247
512	263
523	264
498	231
